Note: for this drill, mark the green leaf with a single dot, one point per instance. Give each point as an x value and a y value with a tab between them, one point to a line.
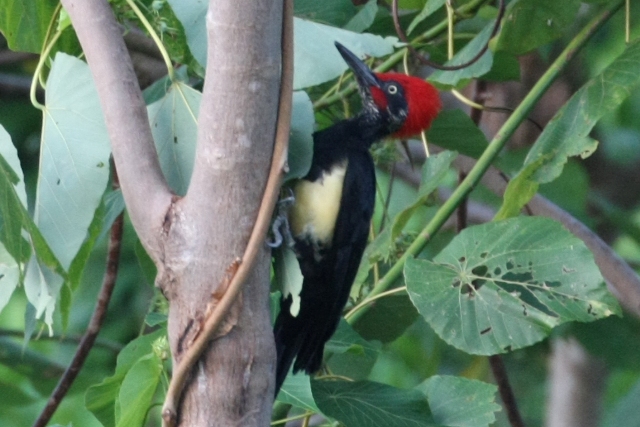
459	78
145	262
296	391
352	355
370	404
567	134
455	131
387	319
316	58
429	7
529	24
379	249
192	14
301	136
42	286
519	192
460	402
101	398
9	276
288	277
13	199
505	67
331	12
137	391
505	285
434	170
24	23
74	159
625	413
174	124
364	18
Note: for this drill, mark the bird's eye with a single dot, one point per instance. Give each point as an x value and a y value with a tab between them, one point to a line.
392	89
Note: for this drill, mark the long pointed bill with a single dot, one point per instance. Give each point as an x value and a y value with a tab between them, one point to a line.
363	74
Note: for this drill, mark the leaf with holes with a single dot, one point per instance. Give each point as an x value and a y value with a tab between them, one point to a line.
504	285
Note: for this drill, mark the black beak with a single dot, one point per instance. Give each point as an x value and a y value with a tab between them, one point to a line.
363	74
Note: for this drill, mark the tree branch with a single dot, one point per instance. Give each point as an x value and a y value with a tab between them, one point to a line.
97	319
144	188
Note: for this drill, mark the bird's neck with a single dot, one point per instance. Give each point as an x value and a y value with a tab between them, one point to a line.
356	133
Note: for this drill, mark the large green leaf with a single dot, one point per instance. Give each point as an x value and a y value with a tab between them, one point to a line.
174	124
300	139
364	18
137	391
13	199
457	78
9	276
455	131
626	412
505	285
316	58
101	398
192	14
24	23
529	24
567	134
74	170
369	404
460	402
429	7
296	391
353	356
330	12
74	159
434	170
387	319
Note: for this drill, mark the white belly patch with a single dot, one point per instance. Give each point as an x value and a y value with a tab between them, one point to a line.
315	210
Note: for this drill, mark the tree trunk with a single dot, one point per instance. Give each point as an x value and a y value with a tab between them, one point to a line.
195	240
232	384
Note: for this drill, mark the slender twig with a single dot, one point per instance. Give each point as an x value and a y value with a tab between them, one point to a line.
97	319
256	240
421	58
505	390
397	56
492	150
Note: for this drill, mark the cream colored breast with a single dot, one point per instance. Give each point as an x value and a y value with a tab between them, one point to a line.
317	203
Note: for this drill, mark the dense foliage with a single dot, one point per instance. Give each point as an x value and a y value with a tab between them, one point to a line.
429	303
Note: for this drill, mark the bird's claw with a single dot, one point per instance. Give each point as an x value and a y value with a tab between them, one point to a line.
280	230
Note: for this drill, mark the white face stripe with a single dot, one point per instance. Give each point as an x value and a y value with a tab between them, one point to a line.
315	210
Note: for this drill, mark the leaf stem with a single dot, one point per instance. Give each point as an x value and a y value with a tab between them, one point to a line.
492	150
397	56
156	39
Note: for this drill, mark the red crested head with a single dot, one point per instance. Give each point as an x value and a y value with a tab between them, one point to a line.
423	103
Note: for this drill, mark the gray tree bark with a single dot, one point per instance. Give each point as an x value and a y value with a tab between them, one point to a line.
195	239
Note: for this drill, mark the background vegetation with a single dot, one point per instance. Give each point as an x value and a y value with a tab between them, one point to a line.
421	337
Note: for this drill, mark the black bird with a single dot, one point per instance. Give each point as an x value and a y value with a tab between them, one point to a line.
333	207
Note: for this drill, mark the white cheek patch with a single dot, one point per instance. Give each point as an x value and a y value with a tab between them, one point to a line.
317	204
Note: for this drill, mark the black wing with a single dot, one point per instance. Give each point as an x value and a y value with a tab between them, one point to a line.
327	282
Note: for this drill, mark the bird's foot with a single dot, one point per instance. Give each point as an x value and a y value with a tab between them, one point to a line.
280	230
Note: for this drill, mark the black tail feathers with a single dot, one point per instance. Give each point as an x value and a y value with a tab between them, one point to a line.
302	339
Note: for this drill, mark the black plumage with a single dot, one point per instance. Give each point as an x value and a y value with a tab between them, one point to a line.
333	208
